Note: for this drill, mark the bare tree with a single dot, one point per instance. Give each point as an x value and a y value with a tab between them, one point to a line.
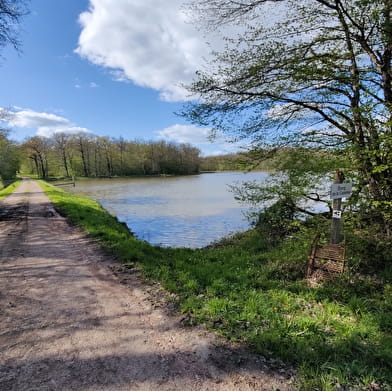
11	13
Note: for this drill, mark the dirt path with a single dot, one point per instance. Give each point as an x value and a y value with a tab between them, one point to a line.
67	323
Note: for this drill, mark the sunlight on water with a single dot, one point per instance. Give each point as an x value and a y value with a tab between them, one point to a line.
188	211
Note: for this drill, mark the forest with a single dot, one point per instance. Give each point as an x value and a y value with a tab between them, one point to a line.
87	155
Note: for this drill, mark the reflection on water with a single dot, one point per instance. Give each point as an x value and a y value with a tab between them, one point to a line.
188	211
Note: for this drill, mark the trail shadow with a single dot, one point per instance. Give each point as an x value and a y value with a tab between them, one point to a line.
133	370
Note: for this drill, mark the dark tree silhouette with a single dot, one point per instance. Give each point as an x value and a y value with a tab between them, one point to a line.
11	12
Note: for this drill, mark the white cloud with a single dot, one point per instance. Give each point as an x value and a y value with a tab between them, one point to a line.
25	118
215	152
283	110
93	85
185	134
199	137
46	124
154	43
148	42
45	131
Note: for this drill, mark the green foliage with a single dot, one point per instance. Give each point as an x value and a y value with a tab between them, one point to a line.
92	156
338	334
229	162
298	188
241	161
318	77
278	220
9	157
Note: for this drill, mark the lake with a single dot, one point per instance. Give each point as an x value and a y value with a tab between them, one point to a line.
185	211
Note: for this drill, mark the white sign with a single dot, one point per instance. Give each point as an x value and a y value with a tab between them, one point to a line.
341	190
336	214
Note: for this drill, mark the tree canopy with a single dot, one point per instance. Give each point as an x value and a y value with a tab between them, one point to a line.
9	157
93	156
319	76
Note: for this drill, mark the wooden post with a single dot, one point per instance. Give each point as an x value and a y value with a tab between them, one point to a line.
336	227
73	180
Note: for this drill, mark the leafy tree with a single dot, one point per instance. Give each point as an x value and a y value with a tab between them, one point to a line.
37	149
11	12
9	157
319	77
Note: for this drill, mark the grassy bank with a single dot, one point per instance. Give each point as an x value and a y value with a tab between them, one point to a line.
8	188
337	335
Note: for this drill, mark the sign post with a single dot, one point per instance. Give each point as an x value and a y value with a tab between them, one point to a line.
329	259
338	191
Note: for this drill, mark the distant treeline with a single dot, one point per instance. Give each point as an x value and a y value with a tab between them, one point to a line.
87	155
243	161
92	156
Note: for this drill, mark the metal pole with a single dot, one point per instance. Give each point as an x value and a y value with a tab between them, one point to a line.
336	227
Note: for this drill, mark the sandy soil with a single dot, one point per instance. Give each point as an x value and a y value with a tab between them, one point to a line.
71	320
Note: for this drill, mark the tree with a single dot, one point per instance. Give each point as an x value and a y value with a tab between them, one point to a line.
11	12
9	159
319	77
121	145
83	144
108	151
93	156
61	143
38	150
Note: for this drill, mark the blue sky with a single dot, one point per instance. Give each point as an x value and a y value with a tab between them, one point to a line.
110	67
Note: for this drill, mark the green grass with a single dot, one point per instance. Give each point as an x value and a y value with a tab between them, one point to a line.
338	335
8	189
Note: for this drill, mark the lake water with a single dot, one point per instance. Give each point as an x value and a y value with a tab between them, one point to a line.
186	211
